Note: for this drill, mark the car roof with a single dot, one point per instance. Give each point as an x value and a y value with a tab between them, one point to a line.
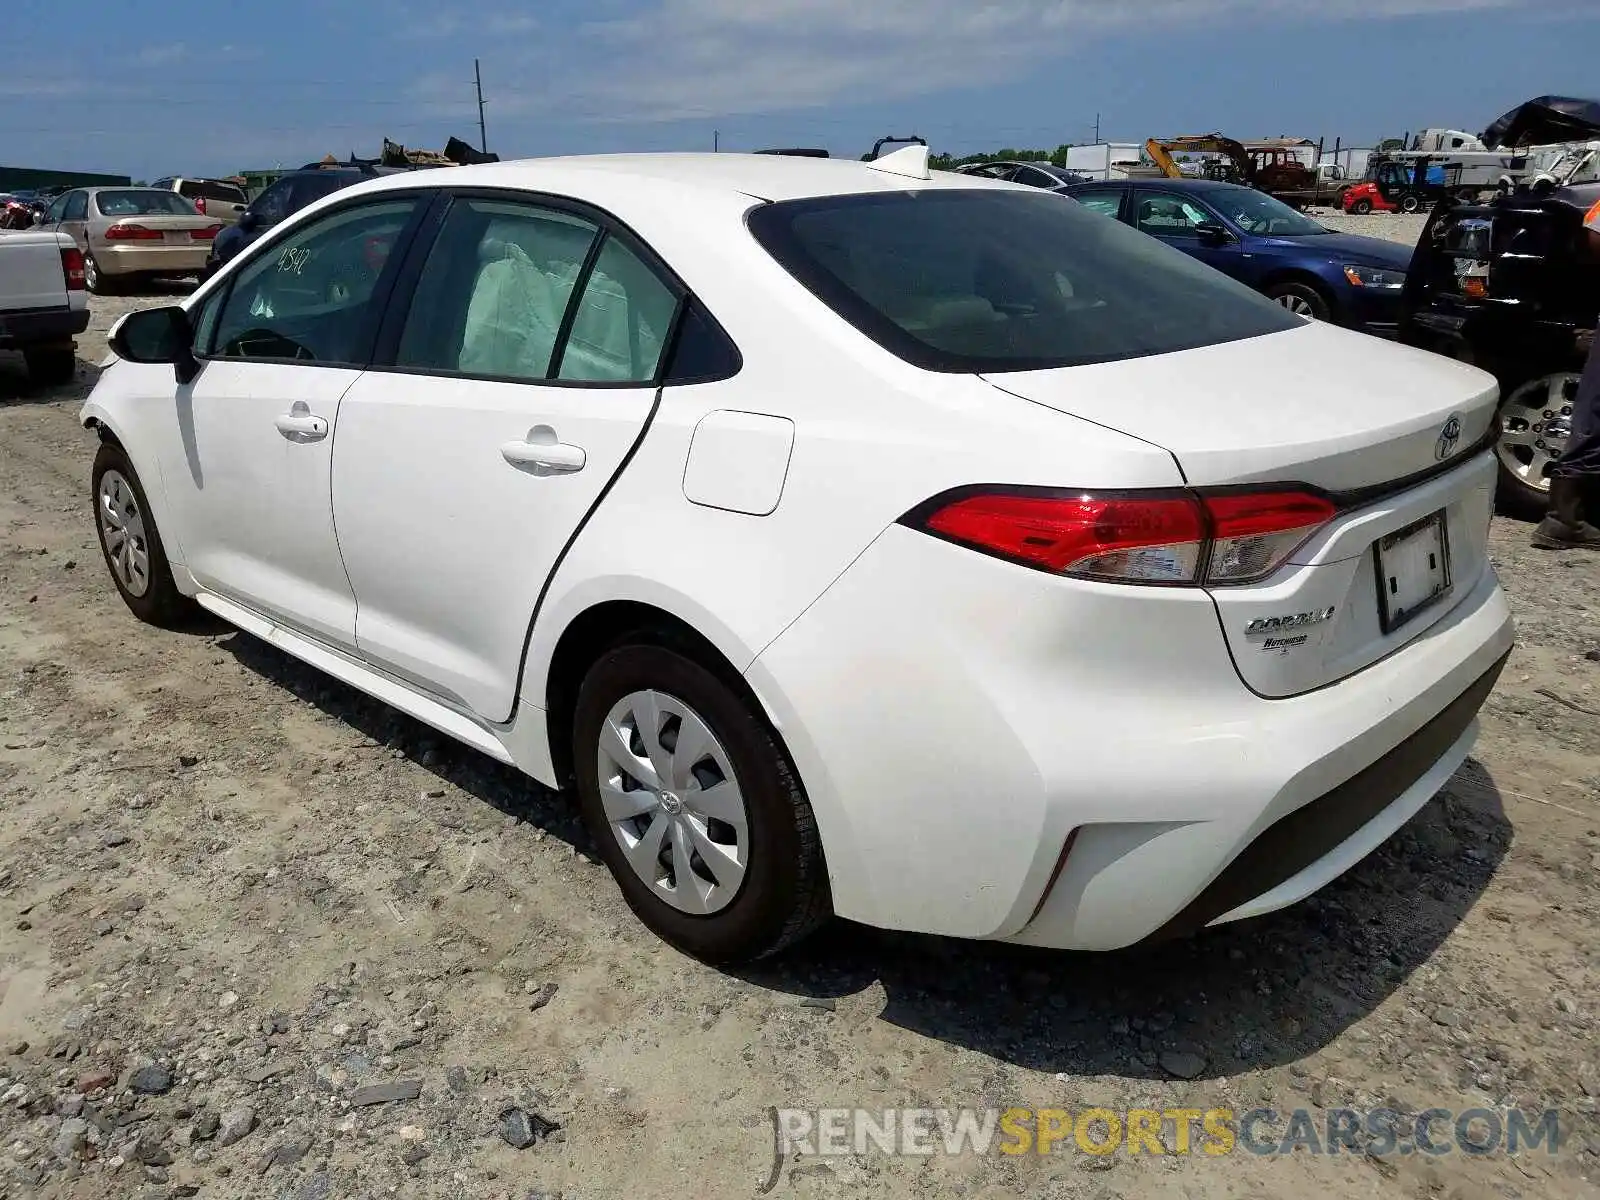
759	176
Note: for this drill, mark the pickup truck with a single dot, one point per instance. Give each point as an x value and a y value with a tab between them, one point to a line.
1326	190
44	303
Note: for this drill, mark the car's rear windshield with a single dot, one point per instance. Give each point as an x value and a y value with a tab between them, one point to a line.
969	280
142	203
225	192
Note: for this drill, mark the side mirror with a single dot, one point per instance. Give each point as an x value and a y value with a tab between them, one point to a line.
1212	234
158	335
249	221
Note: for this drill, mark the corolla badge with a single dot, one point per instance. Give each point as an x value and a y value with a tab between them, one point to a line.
1289	621
1449	438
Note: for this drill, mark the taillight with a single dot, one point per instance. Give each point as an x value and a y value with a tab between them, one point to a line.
200	205
1166	538
72	268
206	234
132	233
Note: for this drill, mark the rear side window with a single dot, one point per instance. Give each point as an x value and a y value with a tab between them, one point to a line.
225	192
968	281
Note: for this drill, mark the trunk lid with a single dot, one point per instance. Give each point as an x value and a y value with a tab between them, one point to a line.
1320	405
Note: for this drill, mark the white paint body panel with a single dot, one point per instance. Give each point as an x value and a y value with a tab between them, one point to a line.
30	271
952	717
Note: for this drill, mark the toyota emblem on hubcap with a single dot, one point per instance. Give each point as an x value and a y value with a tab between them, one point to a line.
1449	438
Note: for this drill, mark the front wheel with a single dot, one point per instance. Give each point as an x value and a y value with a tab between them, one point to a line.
695	807
1535	422
131	543
1302	300
1361	207
1410	204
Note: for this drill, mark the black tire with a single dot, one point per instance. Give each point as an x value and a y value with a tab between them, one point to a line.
1305	295
96	280
784	893
1361	207
51	368
1410	204
161	603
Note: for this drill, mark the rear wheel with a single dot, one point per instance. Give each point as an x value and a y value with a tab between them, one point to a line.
695	807
131	543
1361	207
1302	300
51	368
1535	422
1410	204
96	280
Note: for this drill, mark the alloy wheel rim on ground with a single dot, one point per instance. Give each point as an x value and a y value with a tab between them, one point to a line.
122	527
1298	305
91	272
673	802
1535	422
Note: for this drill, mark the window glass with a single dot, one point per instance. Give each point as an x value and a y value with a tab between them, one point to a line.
203	320
307	298
57	210
225	192
621	323
77	206
969	280
1257	212
1165	215
272	205
492	295
142	202
1107	204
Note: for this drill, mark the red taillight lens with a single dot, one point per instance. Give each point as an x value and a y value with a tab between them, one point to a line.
132	233
207	234
1252	534
1159	538
200	205
72	268
1154	540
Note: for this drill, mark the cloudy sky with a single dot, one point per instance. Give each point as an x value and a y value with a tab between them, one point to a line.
180	87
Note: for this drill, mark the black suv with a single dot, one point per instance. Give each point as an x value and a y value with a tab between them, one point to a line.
281	200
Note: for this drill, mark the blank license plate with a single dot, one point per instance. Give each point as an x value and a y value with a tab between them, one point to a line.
1413	570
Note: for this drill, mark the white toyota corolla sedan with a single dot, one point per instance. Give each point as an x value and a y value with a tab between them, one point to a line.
852	538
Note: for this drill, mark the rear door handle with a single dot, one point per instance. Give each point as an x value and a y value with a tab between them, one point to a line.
542	453
299	425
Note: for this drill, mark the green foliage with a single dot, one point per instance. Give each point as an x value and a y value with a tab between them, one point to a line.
949	162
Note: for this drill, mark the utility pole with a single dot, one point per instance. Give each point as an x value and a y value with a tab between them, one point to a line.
483	133
716	141
1097	129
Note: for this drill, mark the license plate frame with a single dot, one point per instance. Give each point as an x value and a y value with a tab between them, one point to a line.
1404	552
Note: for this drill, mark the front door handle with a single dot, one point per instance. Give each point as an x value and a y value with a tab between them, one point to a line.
299	425
542	453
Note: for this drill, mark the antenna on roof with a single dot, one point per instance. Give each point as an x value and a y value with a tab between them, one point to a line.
912	163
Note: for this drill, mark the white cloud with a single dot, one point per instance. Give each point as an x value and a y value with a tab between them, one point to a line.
676	59
166	55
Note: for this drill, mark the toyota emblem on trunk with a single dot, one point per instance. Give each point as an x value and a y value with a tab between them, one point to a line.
1449	438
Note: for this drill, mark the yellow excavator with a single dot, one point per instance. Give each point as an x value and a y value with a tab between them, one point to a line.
1161	151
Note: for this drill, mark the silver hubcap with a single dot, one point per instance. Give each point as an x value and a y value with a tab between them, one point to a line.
673	803
1298	305
122	530
1536	421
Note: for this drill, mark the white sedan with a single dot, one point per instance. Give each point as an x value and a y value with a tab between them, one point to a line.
853	538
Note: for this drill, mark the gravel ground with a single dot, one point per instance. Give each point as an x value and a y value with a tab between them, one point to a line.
1392	227
262	936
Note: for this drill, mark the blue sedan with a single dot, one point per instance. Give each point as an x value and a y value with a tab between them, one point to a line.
1306	267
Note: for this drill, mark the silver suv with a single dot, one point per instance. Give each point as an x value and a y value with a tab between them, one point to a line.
212	197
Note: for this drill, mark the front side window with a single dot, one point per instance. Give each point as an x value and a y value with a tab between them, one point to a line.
77	208
142	203
969	280
308	297
1166	215
57	210
272	205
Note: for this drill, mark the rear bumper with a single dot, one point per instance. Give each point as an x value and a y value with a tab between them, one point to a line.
20	330
134	259
958	721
